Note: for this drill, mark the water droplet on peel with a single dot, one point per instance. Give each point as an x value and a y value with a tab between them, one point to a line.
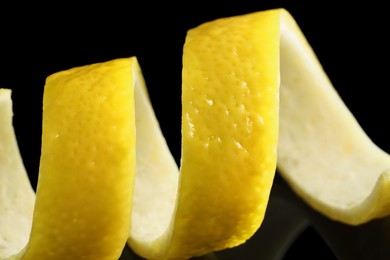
260	119
227	112
249	124
210	102
239	145
191	125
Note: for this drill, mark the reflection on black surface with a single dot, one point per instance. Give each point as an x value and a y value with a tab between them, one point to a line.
309	245
291	229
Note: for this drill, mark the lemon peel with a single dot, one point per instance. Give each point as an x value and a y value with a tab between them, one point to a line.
16	193
174	216
83	196
234	133
222	204
323	153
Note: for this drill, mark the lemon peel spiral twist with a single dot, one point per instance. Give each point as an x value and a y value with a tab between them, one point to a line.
105	162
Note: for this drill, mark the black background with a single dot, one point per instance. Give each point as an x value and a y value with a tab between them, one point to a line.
348	38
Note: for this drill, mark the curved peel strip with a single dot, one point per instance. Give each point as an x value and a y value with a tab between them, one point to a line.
84	192
323	153
228	146
16	194
233	134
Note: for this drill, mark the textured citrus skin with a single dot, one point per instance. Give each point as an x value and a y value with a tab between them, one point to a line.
230	130
229	137
87	164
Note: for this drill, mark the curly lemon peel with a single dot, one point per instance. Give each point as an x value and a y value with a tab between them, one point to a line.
84	192
231	139
16	193
219	205
323	153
